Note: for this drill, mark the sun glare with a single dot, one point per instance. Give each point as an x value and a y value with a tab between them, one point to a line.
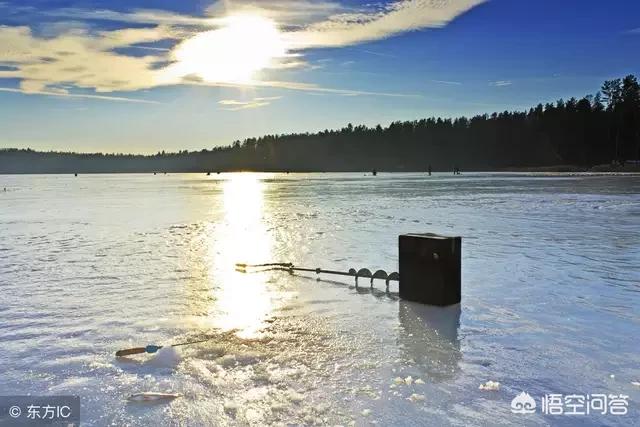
234	53
243	301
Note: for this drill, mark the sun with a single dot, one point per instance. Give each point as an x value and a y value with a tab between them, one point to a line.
233	53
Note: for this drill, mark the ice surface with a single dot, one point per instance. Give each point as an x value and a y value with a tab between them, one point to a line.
550	299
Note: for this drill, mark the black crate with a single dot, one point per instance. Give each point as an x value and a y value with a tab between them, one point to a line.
430	268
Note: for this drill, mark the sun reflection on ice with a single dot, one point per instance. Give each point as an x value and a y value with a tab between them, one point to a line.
242	301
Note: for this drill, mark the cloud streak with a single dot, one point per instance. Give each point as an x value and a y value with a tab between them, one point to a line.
65	94
447	82
501	83
234	105
399	17
137	16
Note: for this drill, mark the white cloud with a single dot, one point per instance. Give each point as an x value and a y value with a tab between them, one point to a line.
65	94
447	82
287	12
80	59
399	17
313	88
501	83
206	50
235	105
140	16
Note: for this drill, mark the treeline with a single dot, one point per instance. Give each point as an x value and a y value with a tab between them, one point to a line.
593	130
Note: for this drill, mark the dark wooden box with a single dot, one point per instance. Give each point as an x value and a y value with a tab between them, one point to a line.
430	268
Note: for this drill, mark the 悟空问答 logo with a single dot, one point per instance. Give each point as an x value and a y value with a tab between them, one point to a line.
523	404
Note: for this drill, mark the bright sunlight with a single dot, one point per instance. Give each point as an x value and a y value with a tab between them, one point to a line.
234	53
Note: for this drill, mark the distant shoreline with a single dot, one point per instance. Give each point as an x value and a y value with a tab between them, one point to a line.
631	170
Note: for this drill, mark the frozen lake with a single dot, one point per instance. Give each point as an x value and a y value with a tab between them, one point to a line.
93	264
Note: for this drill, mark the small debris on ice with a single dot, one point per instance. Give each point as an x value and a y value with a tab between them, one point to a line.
153	397
231	408
278	407
366	412
322	408
416	397
490	386
166	357
295	397
635	383
227	360
419	381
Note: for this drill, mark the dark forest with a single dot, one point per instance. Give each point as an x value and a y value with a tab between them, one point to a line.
600	129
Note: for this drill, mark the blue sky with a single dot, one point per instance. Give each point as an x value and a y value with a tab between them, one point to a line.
145	76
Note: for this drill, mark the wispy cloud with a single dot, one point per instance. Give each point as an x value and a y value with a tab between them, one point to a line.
501	83
66	94
447	82
138	16
235	105
375	53
291	13
401	16
311	87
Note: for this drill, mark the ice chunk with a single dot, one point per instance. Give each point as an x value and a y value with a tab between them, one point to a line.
322	408
490	386
227	360
635	383
416	397
231	408
418	381
166	357
294	396
398	381
152	397
278	407
408	380
366	412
